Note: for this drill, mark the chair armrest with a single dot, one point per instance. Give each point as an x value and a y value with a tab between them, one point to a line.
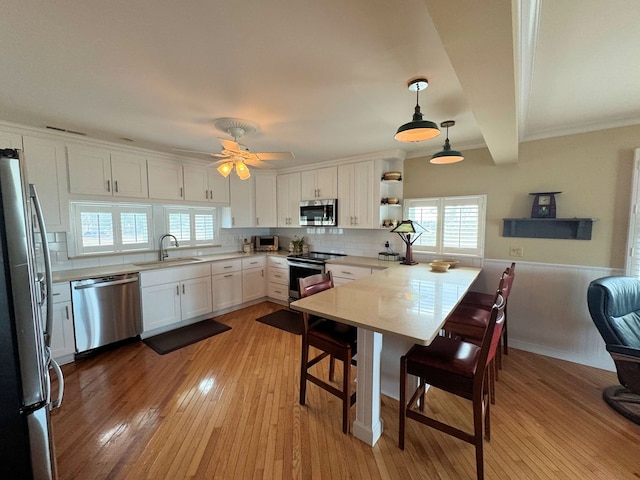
620	352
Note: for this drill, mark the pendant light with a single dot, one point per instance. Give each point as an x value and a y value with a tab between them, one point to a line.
225	169
447	155
418	129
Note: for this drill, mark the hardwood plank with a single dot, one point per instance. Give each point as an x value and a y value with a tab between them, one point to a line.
227	407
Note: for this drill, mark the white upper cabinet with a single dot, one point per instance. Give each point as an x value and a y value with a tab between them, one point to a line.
165	180
205	184
356	195
10	140
288	196
46	169
93	171
266	210
319	184
243	198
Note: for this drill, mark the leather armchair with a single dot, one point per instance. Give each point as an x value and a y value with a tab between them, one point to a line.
614	305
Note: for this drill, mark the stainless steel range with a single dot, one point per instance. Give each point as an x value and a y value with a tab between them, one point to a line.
306	264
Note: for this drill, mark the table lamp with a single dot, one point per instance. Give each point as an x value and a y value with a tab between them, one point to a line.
405	229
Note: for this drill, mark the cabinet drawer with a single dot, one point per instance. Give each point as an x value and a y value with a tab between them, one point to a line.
347	271
278	275
253	262
277	262
61	292
225	266
277	290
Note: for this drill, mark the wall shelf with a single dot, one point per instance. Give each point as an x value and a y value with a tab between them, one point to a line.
564	228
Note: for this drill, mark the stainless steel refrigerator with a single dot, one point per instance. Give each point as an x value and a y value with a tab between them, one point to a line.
26	444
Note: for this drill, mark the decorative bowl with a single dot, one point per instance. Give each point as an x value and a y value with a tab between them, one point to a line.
439	267
393	200
452	263
392	176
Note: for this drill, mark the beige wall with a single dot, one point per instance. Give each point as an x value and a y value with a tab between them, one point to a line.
592	170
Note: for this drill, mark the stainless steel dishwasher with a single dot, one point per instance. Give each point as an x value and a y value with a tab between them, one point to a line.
105	310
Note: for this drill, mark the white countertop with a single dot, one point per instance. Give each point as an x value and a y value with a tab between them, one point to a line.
82	273
355	261
409	301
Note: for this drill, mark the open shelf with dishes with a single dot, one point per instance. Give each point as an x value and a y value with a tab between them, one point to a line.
391	193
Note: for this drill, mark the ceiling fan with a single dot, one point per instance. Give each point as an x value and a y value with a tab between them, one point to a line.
235	155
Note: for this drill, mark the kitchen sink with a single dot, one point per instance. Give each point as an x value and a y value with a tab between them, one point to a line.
168	262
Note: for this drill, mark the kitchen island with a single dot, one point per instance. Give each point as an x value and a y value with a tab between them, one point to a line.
410	302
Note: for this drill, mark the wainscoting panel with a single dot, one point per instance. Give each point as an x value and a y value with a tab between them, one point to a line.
548	311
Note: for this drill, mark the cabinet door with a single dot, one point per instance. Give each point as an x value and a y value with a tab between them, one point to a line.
62	338
242	201
89	171
165	180
227	290
308	188
129	175
327	182
10	140
218	187
345	196
266	211
363	201
47	170
160	305
253	284
196	297
196	185
288	200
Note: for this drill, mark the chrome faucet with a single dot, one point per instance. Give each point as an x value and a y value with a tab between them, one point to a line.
163	252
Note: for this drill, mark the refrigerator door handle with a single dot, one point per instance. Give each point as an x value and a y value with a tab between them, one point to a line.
58	371
48	276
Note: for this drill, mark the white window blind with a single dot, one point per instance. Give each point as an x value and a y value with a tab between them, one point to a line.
104	227
454	225
192	226
632	263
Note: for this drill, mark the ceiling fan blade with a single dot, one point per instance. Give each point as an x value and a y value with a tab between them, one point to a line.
217	162
229	145
275	156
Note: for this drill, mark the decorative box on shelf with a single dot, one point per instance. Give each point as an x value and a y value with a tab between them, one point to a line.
563	228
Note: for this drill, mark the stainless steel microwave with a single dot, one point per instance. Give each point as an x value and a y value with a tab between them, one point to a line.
319	212
266	243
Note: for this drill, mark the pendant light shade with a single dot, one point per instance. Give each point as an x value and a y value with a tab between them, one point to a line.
242	170
417	130
446	155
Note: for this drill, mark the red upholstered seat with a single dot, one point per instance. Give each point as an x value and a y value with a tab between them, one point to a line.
335	340
457	367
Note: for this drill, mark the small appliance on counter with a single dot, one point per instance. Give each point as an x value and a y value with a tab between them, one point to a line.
268	243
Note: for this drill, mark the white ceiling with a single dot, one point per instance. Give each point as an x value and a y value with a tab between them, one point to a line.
325	80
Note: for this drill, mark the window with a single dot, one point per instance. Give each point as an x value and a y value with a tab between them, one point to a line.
454	225
104	227
192	226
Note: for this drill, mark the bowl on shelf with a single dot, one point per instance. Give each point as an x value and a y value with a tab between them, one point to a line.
393	200
439	267
452	263
391	176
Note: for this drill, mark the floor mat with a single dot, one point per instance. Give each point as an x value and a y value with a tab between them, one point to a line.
183	336
286	320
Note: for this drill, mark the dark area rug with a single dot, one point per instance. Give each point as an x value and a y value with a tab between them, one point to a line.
286	320
183	336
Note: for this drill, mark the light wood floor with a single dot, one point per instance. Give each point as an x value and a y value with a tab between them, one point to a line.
227	407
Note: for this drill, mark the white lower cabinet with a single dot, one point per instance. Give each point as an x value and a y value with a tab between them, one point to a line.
347	273
62	337
226	281
253	278
278	278
175	295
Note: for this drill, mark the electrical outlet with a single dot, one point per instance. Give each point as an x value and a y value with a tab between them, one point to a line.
386	244
516	251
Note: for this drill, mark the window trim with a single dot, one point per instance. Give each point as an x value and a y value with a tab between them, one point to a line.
441	203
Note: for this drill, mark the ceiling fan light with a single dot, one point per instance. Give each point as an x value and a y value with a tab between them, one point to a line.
225	169
242	170
447	155
417	130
